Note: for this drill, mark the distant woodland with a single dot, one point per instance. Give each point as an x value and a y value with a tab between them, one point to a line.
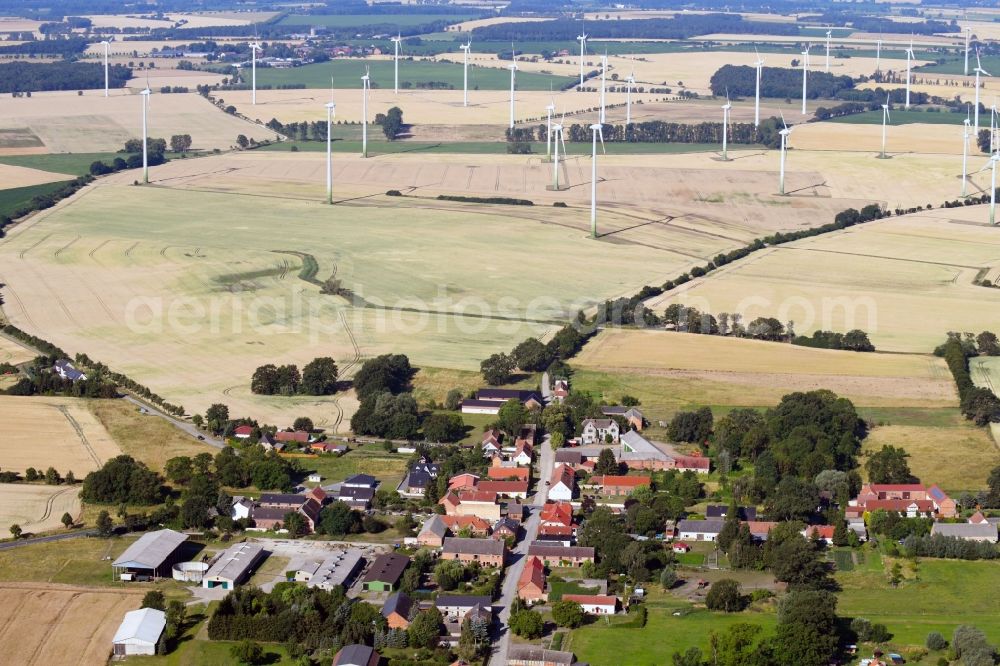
20	76
680	27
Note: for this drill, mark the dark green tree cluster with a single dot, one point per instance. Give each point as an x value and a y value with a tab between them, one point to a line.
23	76
387	409
938	545
693	427
854	340
777	82
42	380
498	368
679	27
318	377
979	404
122	480
888	465
391	122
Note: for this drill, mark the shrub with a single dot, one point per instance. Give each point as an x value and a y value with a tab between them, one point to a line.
935	641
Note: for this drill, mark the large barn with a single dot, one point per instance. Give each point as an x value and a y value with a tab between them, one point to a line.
234	566
151	556
139	632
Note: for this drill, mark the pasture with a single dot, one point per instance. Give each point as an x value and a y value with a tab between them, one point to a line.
347	74
45	624
145	437
64	122
37	508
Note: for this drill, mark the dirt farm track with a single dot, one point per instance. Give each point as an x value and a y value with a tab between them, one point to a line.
60	625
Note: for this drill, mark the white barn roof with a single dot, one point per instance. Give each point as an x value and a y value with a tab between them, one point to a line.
145	624
235	562
151	550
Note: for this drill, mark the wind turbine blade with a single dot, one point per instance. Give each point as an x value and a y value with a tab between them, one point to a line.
600	134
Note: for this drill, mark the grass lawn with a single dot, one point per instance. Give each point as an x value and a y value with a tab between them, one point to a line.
370	459
77	561
76	164
145	437
412	74
377	147
558	588
603	644
901	117
937	595
16	197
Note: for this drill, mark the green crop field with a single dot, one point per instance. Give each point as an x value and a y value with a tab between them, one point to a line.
16	197
407	20
76	164
957	66
412	73
901	117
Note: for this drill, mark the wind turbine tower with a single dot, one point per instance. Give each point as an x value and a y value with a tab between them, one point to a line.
465	72
145	134
557	139
331	111
909	65
983	72
992	164
604	75
968	36
583	51
548	132
966	133
513	74
725	127
598	131
254	47
396	40
885	121
107	45
878	55
756	107
805	77
828	34
365	87
629	83
784	147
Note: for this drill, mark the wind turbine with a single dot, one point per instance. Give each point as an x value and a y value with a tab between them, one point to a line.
331	111
968	35
548	133
107	45
909	63
396	40
966	133
629	82
805	76
784	147
513	73
885	121
756	108
979	70
254	47
604	70
582	38
725	127
878	55
557	138
365	88
993	126
145	138
465	72
828	33
598	130
992	163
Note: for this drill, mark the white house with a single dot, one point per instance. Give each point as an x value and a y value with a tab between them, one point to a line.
563	483
242	507
699	530
139	632
594	604
596	431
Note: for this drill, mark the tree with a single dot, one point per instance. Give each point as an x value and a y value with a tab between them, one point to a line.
180	143
216	418
337	519
179	469
52	476
668	578
606	463
247	652
987	344
527	624
425	629
970	645
453	400
176	615
794	499
737	646
497	369
691	657
15	531
154	599
531	355
70	478
67	520
388	372
392	123
888	465
319	377
568	614
695	427
242	141
807	628
724	595
303	423
443	428
512	417
105	527
295	523
935	641
795	561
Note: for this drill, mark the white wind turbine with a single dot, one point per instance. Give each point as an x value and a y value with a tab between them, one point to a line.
365	88
582	38
993	126
597	130
966	133
885	121
557	139
107	45
145	96
805	77
604	70
254	47
756	108
992	164
331	111
548	131
725	127
396	40
983	72
968	35
629	83
513	74
465	72
909	64
878	55
828	34
784	147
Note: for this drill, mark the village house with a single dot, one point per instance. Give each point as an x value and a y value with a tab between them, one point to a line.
760	529
631	415
639	453
560	556
472	503
499	472
524	452
492	442
514	489
699	530
464	481
243	432
242	507
298	436
457	606
619	485
474	525
906	498
822	533
356	655
569	456
599	431
531	584
484	551
385	572
720	511
396	610
505	528
680	548
418	477
563	483
433	532
594	604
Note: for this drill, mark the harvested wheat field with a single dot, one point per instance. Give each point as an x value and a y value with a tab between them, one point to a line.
469	26
13	352
61	624
906	281
157	78
869	378
15	176
37	508
986	372
41	432
912	138
67	123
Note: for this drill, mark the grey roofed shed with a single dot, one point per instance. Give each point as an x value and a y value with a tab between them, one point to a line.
151	552
233	565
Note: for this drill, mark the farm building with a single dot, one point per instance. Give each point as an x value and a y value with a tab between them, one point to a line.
234	566
151	556
396	610
594	604
561	556
532	655
699	530
385	572
139	633
336	570
456	606
433	532
356	655
632	415
563	483
967	531
531	584
485	551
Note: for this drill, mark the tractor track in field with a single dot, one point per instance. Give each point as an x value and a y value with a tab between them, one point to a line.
20	255
51	501
94	251
55	623
65	247
131	248
79	433
9	291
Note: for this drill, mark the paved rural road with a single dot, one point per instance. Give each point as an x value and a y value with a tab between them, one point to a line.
177	423
8	545
498	656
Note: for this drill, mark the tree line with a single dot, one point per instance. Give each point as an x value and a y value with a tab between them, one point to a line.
318	377
778	82
22	76
979	404
679	27
532	355
659	131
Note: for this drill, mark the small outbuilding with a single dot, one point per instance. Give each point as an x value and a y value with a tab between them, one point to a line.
139	633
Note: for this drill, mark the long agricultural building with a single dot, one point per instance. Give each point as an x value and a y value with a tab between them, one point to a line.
234	566
337	570
151	556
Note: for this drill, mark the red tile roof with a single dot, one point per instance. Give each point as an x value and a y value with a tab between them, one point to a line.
564	474
533	574
503	487
478	496
243	430
591	599
297	436
623	481
521	473
557	512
